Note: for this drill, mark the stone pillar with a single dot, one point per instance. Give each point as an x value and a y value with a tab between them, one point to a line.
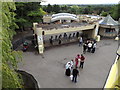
60	21
34	27
40	40
95	31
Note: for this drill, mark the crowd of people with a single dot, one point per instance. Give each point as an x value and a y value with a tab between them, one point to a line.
65	36
88	45
72	67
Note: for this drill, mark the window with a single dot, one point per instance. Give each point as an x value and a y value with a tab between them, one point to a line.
108	30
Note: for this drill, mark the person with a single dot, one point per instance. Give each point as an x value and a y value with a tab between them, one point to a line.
75	73
25	46
93	47
51	37
25	43
68	69
82	61
69	36
80	41
55	37
73	35
77	34
65	35
84	48
89	46
77	60
51	41
59	41
72	63
60	36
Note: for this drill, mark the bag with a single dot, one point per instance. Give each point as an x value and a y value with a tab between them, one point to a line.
71	77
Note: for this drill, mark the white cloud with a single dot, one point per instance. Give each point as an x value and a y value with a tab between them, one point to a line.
79	2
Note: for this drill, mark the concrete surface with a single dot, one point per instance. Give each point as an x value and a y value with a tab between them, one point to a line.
49	71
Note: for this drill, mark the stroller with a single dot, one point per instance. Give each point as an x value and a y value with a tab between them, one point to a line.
25	46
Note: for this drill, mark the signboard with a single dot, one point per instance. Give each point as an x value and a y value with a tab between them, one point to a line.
40	44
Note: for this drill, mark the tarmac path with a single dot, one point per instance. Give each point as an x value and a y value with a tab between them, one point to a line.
49	71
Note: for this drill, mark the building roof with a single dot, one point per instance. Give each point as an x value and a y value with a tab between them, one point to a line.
64	16
108	21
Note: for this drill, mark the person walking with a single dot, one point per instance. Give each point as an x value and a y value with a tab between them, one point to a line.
80	41
82	61
76	60
77	34
75	73
69	36
51	41
84	48
72	63
93	47
59	42
89	46
55	37
68	69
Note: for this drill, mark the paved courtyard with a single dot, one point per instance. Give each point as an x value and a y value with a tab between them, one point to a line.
49	71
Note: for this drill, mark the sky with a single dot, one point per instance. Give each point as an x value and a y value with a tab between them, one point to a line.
79	2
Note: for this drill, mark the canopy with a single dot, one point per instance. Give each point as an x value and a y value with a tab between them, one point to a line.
64	16
108	21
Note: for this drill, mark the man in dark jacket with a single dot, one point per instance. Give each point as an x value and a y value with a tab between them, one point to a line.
75	74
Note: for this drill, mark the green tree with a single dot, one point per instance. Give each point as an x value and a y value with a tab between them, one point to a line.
49	8
27	13
115	11
10	58
74	9
56	8
104	13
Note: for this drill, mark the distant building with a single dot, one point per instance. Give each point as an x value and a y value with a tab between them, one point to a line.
108	27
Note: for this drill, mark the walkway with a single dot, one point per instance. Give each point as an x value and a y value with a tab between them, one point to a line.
49	71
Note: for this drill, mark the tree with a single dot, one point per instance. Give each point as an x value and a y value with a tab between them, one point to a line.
10	58
49	8
36	16
104	13
115	11
56	8
74	9
27	13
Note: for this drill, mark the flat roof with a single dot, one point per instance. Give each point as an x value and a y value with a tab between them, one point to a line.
58	26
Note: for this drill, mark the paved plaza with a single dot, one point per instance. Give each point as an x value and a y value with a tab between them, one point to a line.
49	71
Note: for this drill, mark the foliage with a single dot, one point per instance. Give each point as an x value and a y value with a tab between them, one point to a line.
56	8
77	9
102	10
38	13
10	77
49	8
104	13
27	13
115	11
10	58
